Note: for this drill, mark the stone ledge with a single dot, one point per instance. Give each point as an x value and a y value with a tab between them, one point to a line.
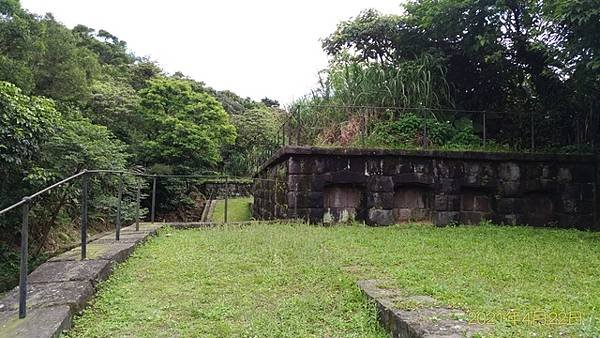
62	286
41	322
285	152
427	322
93	271
113	251
74	294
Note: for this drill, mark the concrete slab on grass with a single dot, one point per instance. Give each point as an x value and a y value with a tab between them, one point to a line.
41	322
62	286
74	294
125	237
426	320
116	252
93	271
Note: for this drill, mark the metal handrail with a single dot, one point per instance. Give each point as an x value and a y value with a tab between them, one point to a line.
30	197
25	203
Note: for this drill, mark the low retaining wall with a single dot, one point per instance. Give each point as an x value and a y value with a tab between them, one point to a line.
218	190
383	187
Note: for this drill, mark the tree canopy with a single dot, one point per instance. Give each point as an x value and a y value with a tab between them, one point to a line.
520	57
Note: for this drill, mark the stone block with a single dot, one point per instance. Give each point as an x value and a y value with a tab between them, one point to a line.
124	237
441	218
300	182
312	215
567	205
473	217
449	186
583	174
380	217
402	214
509	188
305	199
74	294
101	251
40	322
509	171
373	167
509	205
393	166
413	178
380	184
87	270
301	165
512	219
440	202
564	175
382	200
356	165
453	202
339	215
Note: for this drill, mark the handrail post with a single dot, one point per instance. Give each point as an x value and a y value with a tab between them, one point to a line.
84	214
24	258
120	197
532	132
153	199
484	129
226	198
137	207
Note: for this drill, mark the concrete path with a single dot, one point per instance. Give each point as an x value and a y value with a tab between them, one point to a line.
61	287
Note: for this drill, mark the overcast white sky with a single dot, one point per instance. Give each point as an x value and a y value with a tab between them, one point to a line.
255	48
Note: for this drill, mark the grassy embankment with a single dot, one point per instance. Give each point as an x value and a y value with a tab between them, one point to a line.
279	280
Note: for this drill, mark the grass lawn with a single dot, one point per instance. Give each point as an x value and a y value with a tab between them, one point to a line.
238	210
278	280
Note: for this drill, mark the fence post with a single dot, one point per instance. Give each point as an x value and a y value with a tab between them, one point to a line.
363	126
137	207
532	133
298	126
425	140
226	198
24	258
484	129
120	197
84	214
153	199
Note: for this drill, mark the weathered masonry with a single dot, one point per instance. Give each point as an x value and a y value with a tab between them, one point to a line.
382	187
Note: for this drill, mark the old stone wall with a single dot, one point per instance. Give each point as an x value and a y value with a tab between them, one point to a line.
271	193
217	190
383	187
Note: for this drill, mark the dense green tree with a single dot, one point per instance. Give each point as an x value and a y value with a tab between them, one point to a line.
25	123
116	105
256	132
525	57
184	128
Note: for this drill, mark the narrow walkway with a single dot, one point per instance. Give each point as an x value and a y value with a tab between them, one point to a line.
61	287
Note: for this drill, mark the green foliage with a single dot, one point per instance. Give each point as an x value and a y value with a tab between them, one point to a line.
25	123
185	128
410	131
523	57
256	132
115	104
409	84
